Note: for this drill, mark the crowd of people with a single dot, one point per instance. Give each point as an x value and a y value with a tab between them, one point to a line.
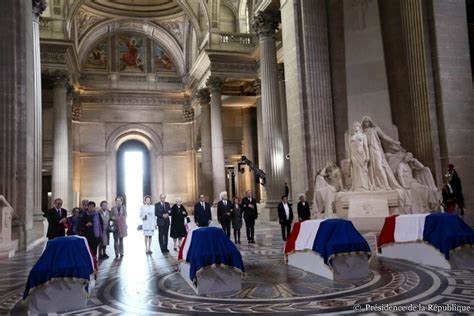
96	225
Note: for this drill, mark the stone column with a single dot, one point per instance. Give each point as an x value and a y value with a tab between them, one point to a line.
61	180
265	25
453	89
17	116
206	146
284	123
424	121
38	8
217	138
247	179
260	138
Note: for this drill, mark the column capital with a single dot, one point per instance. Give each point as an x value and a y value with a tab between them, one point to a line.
215	84
57	78
203	96
257	86
38	7
266	23
281	72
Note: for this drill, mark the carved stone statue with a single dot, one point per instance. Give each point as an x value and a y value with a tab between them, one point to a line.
420	197
359	158
328	182
380	174
6	213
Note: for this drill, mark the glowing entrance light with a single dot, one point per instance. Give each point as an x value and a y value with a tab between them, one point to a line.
133	171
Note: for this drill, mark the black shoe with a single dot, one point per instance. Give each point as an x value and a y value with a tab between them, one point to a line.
166	251
106	256
116	256
252	241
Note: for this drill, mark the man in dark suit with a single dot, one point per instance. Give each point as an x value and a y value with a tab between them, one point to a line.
202	212
249	209
303	209
162	210
285	215
224	213
56	217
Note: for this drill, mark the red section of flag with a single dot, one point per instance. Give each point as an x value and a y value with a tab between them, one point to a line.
290	243
387	235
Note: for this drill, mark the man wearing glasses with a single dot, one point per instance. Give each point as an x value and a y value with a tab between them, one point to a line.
56	217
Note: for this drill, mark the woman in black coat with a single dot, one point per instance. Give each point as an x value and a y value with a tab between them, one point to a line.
179	216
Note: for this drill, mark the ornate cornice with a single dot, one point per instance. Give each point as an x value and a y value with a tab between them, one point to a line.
129	100
215	84
203	96
57	78
38	7
266	23
257	85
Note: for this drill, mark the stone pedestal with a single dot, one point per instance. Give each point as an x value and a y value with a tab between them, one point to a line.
367	210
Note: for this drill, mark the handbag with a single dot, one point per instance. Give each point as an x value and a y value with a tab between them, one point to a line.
140	227
111	228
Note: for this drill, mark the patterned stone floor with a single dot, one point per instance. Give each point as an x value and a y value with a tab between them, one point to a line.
147	285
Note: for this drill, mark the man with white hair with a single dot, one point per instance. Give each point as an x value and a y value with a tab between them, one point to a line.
304	212
162	210
224	212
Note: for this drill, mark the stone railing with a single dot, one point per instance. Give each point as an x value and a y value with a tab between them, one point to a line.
130	80
235	42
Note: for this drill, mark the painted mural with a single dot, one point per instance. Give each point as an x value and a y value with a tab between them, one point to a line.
131	49
98	57
163	62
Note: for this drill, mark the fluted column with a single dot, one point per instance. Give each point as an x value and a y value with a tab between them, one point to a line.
260	138
247	179
322	143
38	8
206	145
265	25
422	100
217	138
17	121
61	180
284	122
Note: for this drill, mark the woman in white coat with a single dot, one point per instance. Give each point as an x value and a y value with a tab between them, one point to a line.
147	215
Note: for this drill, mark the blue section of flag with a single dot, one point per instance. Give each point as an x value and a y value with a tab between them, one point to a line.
337	236
446	232
210	246
64	257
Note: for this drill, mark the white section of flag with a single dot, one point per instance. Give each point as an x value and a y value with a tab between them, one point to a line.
409	227
308	231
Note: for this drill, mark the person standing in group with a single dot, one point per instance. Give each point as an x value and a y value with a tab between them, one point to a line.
202	212
285	216
73	222
91	227
224	212
179	216
56	217
84	207
104	242
249	208
304	212
147	215
236	219
162	210
118	216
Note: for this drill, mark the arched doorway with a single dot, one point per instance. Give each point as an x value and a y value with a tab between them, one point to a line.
133	172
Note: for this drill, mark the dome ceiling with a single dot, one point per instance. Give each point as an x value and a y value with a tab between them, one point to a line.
137	8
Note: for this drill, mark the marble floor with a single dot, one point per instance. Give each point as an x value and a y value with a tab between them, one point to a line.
145	285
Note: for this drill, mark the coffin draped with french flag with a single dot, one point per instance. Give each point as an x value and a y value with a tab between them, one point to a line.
327	238
446	232
209	247
64	258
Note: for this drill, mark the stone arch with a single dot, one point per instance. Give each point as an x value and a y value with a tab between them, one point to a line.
151	30
150	139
